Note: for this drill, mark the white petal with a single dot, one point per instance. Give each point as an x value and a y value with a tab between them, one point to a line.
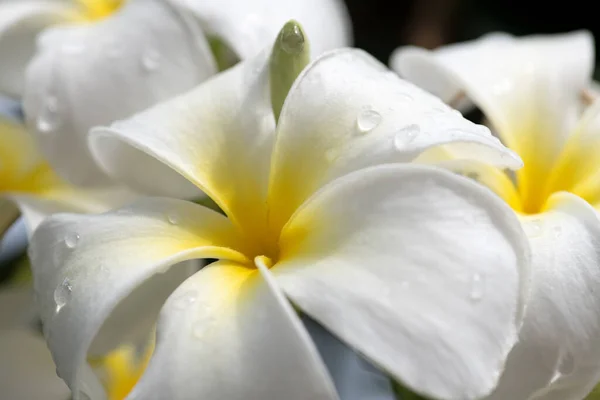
248	26
529	88
20	23
144	53
229	333
219	136
28	180
345	112
417	269
35	207
560	338
97	260
27	370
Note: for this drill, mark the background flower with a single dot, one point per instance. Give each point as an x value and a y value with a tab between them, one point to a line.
533	91
142	52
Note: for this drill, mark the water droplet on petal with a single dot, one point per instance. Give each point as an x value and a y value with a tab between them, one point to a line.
151	60
477	287
557	231
173	218
71	240
567	364
48	118
62	294
405	136
368	120
185	300
534	228
292	40
203	325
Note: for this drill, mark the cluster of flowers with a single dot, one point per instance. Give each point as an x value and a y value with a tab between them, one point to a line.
463	263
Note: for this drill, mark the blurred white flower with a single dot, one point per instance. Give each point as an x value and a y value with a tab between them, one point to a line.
421	271
29	181
534	92
90	62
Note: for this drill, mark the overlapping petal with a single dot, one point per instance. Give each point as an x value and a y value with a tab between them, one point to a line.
28	180
248	26
578	168
559	342
144	53
346	111
20	22
417	269
219	136
121	249
529	94
229	333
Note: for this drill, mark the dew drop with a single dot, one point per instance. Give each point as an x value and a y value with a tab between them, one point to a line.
477	287
534	228
404	97
150	60
185	300
406	135
62	294
201	327
368	120
292	40
567	364
48	118
71	240
173	218
557	231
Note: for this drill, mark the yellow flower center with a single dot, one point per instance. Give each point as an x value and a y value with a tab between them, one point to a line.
97	9
549	167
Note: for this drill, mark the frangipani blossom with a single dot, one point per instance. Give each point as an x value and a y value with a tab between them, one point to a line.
421	271
530	90
81	63
29	181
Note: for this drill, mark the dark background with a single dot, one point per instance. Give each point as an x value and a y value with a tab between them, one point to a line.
382	25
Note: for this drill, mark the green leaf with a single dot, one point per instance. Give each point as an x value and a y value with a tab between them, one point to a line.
291	53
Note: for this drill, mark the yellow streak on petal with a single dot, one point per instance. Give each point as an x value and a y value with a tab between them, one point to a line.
578	168
97	9
495	179
22	169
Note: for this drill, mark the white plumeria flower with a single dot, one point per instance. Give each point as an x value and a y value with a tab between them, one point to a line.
100	60
421	271
29	181
530	89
